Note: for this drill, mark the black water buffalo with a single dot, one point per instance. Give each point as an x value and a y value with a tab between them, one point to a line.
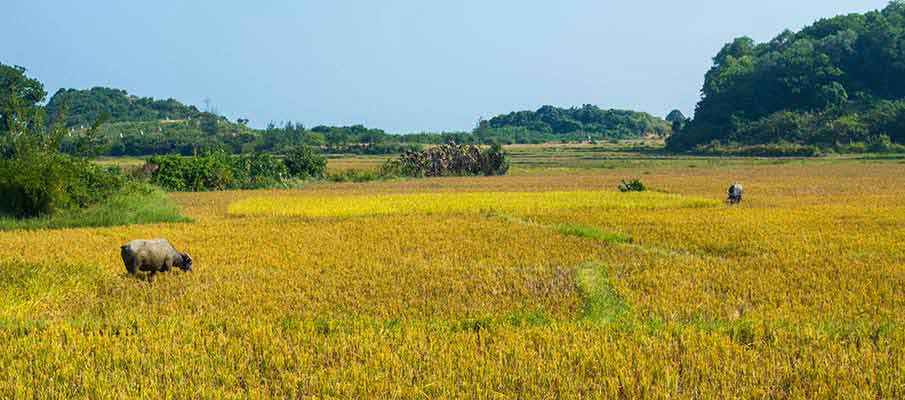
154	255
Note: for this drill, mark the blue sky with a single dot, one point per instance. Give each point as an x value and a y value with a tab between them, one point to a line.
400	65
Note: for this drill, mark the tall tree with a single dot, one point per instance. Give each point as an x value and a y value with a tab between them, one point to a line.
19	99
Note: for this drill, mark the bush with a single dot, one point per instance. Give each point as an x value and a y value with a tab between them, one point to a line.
494	161
42	183
259	170
134	203
220	171
356	175
880	144
450	160
303	162
212	171
633	185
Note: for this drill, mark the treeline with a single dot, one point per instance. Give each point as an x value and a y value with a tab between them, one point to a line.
837	85
571	124
141	126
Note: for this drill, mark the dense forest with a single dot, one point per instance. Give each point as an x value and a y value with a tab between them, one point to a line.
578	123
837	84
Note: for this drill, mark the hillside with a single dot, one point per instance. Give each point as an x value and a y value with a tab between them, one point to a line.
552	123
144	125
83	107
835	84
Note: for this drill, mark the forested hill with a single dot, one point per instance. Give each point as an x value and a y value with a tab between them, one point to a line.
839	83
83	107
553	123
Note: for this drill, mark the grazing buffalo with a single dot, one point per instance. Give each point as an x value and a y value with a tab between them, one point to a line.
735	193
155	255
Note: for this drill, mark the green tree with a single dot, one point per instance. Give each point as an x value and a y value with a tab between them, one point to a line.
209	124
675	115
303	162
21	116
818	86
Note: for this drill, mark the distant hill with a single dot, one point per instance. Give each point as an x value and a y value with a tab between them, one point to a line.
85	106
577	123
144	125
838	84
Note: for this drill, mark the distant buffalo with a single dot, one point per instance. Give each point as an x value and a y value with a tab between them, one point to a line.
735	193
155	255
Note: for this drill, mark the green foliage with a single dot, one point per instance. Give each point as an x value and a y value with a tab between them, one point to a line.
134	203
773	149
592	232
36	184
450	160
357	175
633	185
835	83
259	170
35	178
303	162
221	171
86	106
182	137
675	115
209	124
494	161
212	171
551	123
19	98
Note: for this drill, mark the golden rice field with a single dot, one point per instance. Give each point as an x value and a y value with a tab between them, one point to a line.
452	203
502	287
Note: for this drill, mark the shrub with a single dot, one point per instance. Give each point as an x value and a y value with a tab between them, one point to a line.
495	161
303	162
450	160
212	171
134	203
42	183
356	175
880	144
216	171
259	170
633	185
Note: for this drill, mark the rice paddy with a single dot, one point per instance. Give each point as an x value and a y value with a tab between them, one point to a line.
548	284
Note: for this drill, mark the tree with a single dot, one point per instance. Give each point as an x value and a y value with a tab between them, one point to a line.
336	137
822	84
303	162
675	115
209	124
550	123
19	98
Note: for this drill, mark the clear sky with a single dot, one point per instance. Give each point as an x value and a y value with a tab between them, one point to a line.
399	65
